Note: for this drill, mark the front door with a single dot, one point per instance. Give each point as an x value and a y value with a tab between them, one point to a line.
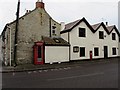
105	52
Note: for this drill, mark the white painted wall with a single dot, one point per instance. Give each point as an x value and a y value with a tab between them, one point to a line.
65	36
91	41
75	40
119	49
56	54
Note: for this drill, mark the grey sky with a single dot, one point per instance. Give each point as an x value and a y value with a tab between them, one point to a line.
94	11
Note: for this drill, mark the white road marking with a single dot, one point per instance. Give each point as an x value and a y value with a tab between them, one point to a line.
55	69
65	68
60	69
68	68
40	70
34	71
52	69
94	74
45	70
13	74
29	72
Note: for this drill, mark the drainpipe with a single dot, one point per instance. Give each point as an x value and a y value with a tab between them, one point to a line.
10	42
50	25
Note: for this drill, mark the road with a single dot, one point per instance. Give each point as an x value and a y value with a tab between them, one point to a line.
102	74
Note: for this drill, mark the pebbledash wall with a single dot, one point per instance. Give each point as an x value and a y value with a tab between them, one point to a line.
90	42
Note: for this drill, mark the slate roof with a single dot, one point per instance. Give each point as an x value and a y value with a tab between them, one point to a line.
54	41
70	26
93	28
110	28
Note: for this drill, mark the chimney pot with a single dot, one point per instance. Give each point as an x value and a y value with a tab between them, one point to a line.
39	4
106	23
62	26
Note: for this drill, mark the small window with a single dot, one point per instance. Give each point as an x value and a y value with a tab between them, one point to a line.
56	40
53	31
114	51
75	49
96	51
113	36
82	51
101	35
53	27
82	32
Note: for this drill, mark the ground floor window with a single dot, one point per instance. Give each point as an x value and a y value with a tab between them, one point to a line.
75	49
96	51
82	51
114	52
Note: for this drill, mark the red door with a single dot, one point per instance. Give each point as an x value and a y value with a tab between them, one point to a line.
38	53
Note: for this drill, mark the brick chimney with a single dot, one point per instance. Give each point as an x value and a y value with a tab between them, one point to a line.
40	4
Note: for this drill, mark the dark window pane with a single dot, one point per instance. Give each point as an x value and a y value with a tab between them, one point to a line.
96	52
114	51
53	31
75	49
113	36
101	35
39	51
82	32
82	51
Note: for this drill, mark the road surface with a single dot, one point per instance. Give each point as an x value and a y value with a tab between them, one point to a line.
102	74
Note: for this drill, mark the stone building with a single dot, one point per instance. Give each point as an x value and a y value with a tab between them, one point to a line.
1	54
33	26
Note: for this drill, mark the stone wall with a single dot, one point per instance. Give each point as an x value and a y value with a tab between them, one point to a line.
32	27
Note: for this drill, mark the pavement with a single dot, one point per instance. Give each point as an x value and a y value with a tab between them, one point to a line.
32	67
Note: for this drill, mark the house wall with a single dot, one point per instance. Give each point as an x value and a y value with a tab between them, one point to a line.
32	27
1	53
91	41
75	40
119	49
65	36
56	54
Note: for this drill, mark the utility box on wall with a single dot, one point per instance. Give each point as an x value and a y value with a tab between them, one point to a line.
38	52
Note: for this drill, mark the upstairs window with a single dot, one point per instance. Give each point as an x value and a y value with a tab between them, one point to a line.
82	32
101	35
113	36
114	52
53	31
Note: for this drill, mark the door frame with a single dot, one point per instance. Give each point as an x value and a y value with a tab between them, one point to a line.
105	51
37	44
